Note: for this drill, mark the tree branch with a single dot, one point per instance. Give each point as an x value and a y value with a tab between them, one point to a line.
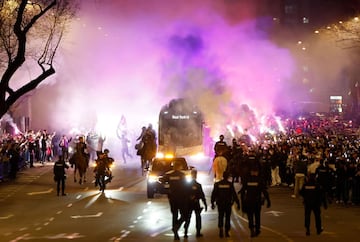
28	87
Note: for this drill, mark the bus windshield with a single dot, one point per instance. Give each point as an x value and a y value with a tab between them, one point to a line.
180	127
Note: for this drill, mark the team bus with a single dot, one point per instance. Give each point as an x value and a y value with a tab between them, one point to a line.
180	129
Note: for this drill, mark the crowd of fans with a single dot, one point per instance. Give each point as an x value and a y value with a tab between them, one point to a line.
326	146
22	150
323	145
18	151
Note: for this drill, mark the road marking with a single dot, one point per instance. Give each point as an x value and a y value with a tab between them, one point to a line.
87	216
7	217
38	193
57	236
275	213
283	236
21	181
160	231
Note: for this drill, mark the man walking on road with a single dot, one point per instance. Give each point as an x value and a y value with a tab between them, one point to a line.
197	194
251	199
224	196
60	175
314	197
178	195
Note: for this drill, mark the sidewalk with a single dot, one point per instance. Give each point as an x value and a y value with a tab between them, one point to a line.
38	169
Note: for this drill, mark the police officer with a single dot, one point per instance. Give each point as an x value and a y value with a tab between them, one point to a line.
224	195
220	147
234	161
251	199
178	195
324	177
60	175
314	197
196	195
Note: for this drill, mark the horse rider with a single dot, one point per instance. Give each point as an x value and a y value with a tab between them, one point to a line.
81	148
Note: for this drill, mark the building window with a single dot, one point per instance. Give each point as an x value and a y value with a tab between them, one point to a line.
290	9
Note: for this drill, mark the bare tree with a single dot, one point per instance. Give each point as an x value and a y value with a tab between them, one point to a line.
30	34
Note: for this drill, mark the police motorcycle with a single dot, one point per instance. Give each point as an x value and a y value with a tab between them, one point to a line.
103	174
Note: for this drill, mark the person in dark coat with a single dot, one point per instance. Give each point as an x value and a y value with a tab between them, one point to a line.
220	147
224	195
178	195
356	187
253	195
60	175
314	197
14	160
324	178
197	194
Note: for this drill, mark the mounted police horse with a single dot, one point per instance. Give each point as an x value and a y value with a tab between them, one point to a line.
80	162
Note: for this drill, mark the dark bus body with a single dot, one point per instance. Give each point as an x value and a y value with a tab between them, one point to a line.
180	129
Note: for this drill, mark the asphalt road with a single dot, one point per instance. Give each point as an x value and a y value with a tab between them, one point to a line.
31	211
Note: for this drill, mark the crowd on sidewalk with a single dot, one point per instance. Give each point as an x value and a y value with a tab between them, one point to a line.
24	150
18	151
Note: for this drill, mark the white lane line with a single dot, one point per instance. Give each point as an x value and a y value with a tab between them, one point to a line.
285	237
7	217
87	216
274	213
42	192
